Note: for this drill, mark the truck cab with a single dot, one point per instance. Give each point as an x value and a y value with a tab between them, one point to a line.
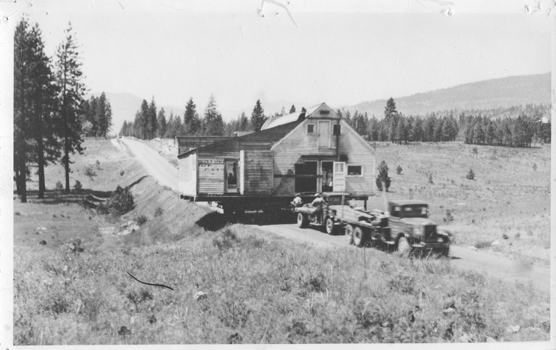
412	229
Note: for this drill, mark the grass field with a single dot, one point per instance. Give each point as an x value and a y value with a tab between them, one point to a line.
257	288
509	199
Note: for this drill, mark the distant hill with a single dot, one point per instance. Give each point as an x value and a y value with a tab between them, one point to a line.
124	106
487	94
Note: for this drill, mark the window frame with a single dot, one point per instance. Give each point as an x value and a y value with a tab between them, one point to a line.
314	129
354	165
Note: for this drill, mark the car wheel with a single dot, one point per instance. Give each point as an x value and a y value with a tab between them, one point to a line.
359	237
403	246
302	220
349	234
329	226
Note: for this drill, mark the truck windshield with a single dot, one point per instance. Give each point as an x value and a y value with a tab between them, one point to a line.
415	211
337	200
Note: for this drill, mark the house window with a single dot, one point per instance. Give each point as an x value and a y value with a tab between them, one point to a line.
310	128
337	129
355	170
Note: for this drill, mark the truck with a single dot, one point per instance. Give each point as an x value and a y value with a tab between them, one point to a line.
411	228
405	226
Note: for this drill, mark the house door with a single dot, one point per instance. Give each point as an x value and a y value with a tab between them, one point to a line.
231	174
306	177
327	176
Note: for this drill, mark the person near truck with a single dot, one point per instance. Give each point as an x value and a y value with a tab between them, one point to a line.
297	201
318	202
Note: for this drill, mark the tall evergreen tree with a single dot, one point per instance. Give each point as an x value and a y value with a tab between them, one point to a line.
243	122
69	79
153	123
145	120
161	129
292	109
257	116
191	121
170	127
213	125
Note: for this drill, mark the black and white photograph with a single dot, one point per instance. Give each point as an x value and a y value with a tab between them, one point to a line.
265	173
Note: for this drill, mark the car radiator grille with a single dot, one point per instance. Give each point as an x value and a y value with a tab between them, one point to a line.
430	233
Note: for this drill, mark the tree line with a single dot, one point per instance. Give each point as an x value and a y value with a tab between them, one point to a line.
96	116
531	125
48	105
150	123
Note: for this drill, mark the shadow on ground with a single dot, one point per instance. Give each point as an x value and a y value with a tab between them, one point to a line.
215	221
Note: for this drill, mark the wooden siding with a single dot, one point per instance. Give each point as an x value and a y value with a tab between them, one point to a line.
258	172
298	147
211	175
187	175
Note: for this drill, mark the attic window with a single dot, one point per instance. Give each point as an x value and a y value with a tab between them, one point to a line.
324	112
310	128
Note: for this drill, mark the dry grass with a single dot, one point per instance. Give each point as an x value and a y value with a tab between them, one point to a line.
258	288
509	197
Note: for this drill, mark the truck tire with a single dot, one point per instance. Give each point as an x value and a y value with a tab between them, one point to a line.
359	237
329	226
349	234
403	246
302	220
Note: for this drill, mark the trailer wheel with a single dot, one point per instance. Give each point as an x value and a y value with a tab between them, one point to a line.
349	234
302	220
359	238
403	246
329	226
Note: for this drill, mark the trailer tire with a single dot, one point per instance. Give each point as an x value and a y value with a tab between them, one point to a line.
329	226
302	220
349	234
359	237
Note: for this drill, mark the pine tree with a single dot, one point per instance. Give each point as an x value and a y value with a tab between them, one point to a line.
145	122
153	123
161	129
170	127
257	116
69	79
478	133
213	125
390	110
292	109
191	120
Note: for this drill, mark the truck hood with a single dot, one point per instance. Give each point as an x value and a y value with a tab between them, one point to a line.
417	221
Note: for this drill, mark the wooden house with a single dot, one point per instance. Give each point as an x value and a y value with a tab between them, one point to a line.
314	151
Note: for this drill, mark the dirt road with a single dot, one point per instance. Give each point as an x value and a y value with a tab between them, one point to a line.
156	165
464	258
460	257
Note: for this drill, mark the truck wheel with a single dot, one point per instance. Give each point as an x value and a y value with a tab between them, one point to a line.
329	226
302	221
403	246
349	234
359	238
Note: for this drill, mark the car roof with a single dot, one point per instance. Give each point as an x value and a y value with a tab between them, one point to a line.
408	202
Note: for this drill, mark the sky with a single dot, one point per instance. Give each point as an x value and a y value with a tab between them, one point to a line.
339	54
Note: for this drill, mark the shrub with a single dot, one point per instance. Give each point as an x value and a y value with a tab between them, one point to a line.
141	220
430	178
122	173
120	202
77	186
98	165
534	166
475	151
399	170
470	175
383	176
90	172
59	186
158	212
449	217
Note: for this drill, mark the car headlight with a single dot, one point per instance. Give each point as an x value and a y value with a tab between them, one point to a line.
417	231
